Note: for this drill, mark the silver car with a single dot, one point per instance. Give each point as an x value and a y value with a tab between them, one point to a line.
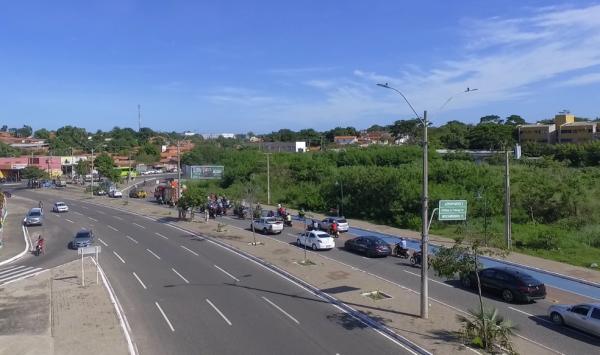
342	223
35	216
83	238
584	316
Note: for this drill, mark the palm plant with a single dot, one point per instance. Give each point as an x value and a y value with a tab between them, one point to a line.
487	330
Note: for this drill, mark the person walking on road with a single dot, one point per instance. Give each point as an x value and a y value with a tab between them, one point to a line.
41	205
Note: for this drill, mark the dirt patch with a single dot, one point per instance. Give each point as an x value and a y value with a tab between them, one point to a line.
337	275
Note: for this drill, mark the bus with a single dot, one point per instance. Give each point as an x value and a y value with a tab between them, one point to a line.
127	171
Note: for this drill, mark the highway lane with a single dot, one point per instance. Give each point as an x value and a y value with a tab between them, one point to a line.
531	318
178	301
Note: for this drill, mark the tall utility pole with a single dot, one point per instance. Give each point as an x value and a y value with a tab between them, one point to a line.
139	117
507	222
268	180
178	170
425	227
92	173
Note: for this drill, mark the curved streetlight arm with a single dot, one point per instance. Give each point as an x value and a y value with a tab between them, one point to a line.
458	93
387	86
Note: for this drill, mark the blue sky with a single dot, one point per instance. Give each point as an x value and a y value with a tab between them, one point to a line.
239	66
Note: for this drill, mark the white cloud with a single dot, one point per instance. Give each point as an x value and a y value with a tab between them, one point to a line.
239	96
585	79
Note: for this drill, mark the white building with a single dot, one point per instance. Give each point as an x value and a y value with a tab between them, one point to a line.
276	147
217	135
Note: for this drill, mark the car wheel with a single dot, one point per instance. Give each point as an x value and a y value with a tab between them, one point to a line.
466	282
298	242
314	247
557	318
508	296
369	254
264	230
412	261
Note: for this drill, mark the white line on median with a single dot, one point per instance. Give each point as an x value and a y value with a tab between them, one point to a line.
218	311
153	253
228	274
118	256
280	309
111	227
93	219
139	225
102	241
164	316
530	315
178	274
160	235
68	220
130	238
98	211
436	281
190	250
139	280
117	217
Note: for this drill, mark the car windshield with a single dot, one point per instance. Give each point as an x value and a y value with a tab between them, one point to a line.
34	214
60	204
271	220
82	235
341	220
323	235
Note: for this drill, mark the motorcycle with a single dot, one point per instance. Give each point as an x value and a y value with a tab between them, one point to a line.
400	252
38	250
416	259
287	223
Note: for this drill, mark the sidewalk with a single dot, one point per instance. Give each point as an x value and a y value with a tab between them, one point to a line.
52	314
13	242
398	313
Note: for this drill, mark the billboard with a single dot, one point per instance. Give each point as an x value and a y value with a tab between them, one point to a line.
203	172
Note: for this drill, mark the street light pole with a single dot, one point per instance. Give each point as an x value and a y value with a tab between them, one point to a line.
425	204
178	170
268	179
92	173
425	227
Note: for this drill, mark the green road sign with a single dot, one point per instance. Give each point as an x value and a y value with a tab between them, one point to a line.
452	210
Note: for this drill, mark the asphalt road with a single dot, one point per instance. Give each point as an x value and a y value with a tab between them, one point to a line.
531	319
184	295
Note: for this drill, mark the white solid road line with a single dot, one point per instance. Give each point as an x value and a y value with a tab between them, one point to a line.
153	253
19	273
85	208
93	219
160	235
117	217
118	256
68	220
228	274
190	250
218	311
178	274
165	316
530	315
436	281
4	271
103	242
130	238
139	225
280	309
111	227
139	280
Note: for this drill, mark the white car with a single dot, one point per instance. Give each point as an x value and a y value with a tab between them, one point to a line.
115	194
316	240
342	223
584	316
267	225
60	207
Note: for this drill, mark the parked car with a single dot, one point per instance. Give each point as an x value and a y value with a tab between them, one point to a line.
369	245
512	285
267	225
99	192
83	238
35	216
316	240
585	316
115	194
342	223
60	207
137	193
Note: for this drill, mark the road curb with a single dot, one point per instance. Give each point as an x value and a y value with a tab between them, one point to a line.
21	254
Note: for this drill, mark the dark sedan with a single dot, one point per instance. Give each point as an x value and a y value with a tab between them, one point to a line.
511	284
369	245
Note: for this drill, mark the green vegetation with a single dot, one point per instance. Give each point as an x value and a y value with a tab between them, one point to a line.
553	204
